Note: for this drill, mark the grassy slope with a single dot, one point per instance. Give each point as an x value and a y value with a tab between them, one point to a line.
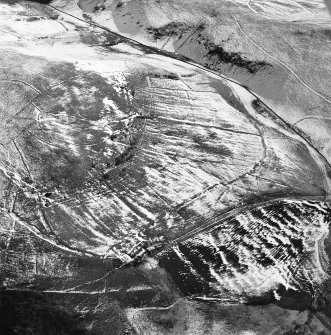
279	50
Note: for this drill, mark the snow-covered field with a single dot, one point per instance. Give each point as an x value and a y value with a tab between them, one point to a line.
112	150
